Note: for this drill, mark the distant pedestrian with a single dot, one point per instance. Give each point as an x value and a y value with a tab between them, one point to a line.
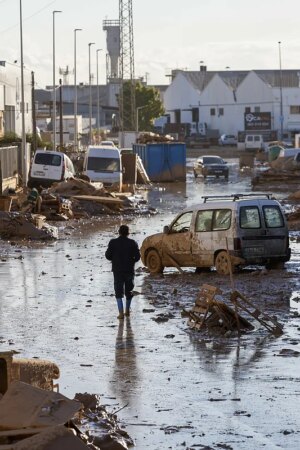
123	252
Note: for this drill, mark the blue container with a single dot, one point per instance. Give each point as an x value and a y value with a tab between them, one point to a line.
163	161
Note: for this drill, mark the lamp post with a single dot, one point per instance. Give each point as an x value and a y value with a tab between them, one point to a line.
75	91
98	93
54	86
137	116
280	88
24	149
90	95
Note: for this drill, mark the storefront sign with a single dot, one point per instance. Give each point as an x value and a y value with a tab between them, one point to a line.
258	121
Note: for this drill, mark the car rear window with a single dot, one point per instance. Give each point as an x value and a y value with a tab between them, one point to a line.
273	217
46	159
249	217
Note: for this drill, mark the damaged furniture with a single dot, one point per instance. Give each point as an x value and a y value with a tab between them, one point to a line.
214	315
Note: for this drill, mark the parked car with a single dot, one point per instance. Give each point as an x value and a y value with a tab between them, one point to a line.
254	142
102	163
107	144
48	167
211	166
228	139
224	232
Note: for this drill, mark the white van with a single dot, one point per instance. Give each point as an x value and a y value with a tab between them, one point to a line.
103	163
254	142
48	167
251	228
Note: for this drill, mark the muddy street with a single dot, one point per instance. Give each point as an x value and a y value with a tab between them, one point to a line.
177	388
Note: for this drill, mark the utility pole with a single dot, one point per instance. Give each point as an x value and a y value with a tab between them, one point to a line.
280	88
127	112
61	131
34	135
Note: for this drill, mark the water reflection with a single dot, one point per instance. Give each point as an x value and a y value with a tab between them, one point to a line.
125	377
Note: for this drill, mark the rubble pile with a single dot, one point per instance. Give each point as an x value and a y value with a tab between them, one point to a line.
72	199
146	138
282	173
36	419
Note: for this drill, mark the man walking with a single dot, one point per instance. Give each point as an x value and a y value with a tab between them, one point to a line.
123	252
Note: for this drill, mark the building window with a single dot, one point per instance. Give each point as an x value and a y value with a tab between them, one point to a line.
247	110
295	109
177	114
212	111
257	109
221	112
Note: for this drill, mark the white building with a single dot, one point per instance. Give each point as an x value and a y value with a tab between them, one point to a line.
222	99
10	99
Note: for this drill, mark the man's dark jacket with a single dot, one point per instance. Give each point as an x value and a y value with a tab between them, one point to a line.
123	253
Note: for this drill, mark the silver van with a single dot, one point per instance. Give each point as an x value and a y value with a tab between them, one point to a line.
251	228
48	167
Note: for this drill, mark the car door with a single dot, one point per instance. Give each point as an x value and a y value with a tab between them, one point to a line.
202	239
276	242
212	227
177	243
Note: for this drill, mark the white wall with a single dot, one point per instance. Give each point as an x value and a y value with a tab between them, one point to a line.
252	92
180	94
10	78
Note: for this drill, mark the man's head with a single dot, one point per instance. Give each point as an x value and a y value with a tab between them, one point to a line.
124	230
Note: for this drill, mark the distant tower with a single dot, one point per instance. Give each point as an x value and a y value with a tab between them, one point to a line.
65	73
127	113
112	28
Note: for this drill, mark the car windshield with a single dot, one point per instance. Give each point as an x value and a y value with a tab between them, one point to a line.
212	160
103	164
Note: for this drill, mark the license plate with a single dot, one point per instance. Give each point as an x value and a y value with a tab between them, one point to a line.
254	251
39	173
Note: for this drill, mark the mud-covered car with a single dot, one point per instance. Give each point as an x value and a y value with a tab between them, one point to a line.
224	232
211	166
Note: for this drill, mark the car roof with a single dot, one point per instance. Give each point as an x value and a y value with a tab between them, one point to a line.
229	203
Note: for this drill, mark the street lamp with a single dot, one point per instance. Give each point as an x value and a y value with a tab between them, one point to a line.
54	86
137	116
98	93
280	88
24	149
75	92
90	95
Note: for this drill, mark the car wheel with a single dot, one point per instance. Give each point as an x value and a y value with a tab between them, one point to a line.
153	262
226	177
222	263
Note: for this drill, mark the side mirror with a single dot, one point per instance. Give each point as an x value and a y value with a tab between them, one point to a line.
166	229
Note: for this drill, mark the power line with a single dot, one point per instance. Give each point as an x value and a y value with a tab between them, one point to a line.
27	18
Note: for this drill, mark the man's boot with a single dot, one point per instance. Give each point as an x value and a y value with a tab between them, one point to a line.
120	308
127	310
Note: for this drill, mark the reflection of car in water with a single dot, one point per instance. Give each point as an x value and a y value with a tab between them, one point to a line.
211	166
251	229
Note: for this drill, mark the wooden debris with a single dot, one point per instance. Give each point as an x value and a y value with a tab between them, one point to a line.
268	322
211	313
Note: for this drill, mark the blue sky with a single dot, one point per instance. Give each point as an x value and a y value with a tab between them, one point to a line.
168	34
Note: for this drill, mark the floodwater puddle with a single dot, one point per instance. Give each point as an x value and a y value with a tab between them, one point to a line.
173	387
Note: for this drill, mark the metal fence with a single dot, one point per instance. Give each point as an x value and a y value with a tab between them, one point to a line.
9	161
